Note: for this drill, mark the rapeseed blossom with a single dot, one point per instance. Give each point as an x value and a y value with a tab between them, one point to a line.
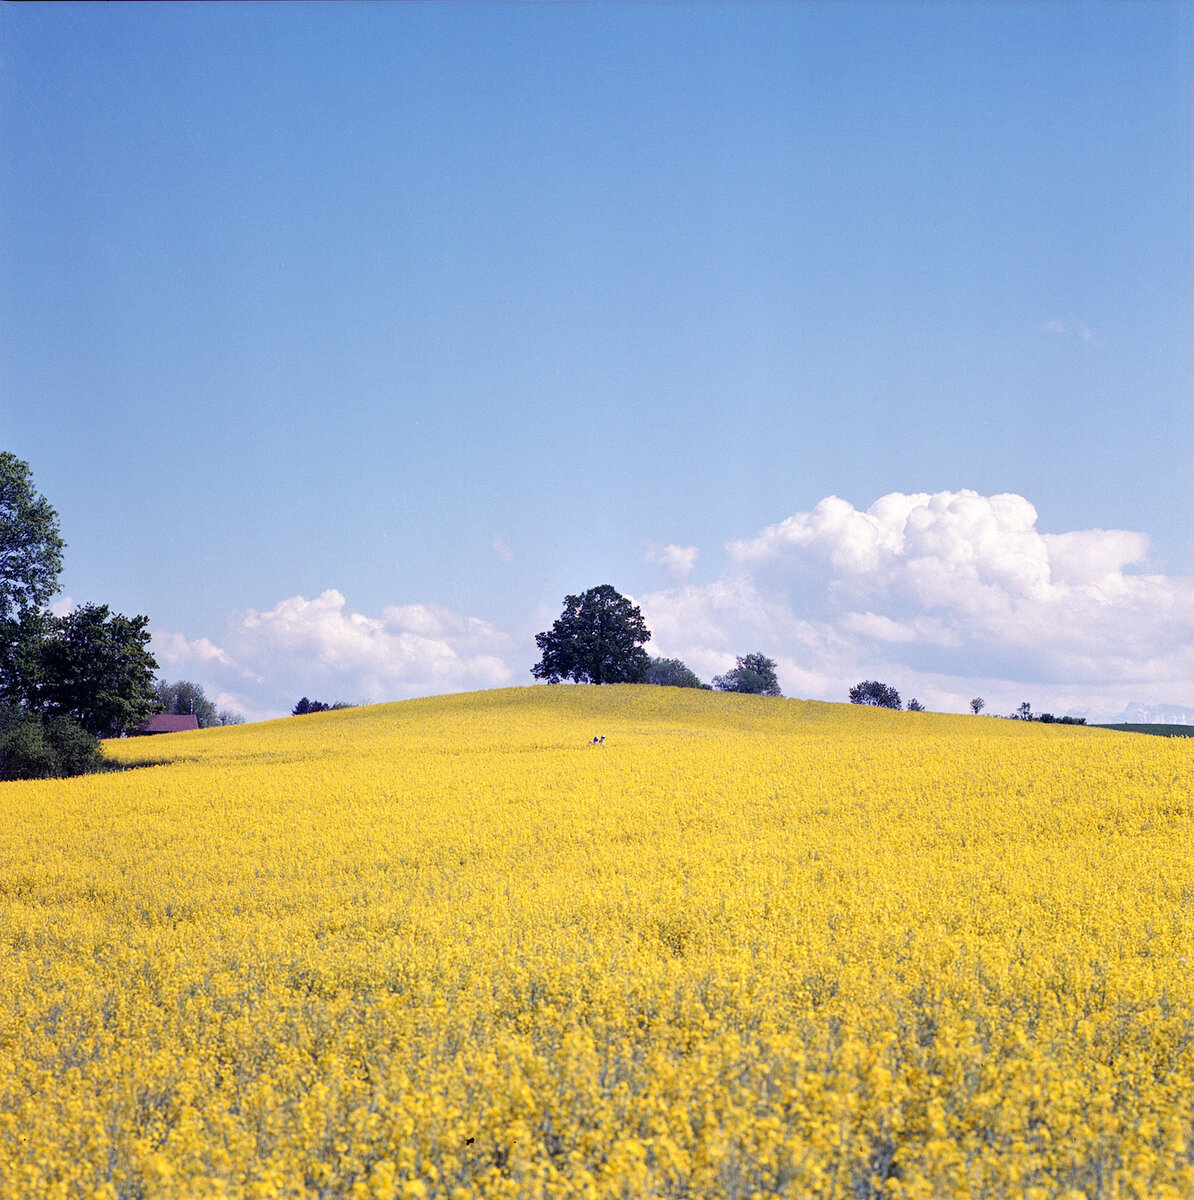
748	947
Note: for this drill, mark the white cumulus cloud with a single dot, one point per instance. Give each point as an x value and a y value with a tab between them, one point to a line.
939	591
172	649
322	649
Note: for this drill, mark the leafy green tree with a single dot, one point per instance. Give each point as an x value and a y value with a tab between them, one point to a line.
183	698
671	672
597	639
96	668
30	545
22	640
754	675
871	691
30	563
64	681
305	706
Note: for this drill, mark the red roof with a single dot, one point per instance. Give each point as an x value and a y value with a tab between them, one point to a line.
167	723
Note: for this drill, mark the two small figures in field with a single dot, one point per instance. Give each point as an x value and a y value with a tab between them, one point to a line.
598	741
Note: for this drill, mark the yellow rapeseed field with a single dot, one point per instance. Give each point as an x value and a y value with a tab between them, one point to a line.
749	947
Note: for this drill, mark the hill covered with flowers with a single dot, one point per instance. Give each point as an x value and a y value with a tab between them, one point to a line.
745	947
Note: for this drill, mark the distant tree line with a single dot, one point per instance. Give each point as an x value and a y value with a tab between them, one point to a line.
882	695
305	706
65	681
184	698
68	681
1025	713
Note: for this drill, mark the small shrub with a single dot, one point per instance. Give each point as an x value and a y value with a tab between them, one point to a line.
77	751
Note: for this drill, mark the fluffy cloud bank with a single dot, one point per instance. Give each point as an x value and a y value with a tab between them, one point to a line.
945	596
320	648
942	595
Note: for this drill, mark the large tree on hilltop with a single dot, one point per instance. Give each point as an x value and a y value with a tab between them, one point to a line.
754	675
597	639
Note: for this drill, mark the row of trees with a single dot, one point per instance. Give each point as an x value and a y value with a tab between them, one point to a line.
1025	713
882	695
184	698
599	638
67	681
305	706
64	681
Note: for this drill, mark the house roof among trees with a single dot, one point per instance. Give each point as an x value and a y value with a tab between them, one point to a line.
169	723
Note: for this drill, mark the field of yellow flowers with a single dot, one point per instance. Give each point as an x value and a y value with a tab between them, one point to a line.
749	947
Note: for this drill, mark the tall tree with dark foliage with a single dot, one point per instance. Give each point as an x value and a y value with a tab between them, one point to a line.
97	669
597	639
30	563
871	691
90	670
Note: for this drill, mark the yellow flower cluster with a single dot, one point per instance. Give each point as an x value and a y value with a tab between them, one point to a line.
748	947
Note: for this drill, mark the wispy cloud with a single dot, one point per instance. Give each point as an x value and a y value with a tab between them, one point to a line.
679	560
503	551
1069	327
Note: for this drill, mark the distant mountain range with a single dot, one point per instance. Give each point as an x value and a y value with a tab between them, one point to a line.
1145	714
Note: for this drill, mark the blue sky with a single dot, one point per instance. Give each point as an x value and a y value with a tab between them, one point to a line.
439	312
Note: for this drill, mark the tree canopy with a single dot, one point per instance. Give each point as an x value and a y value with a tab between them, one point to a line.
305	706
184	697
30	544
597	639
97	669
754	675
871	691
30	563
671	672
91	667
